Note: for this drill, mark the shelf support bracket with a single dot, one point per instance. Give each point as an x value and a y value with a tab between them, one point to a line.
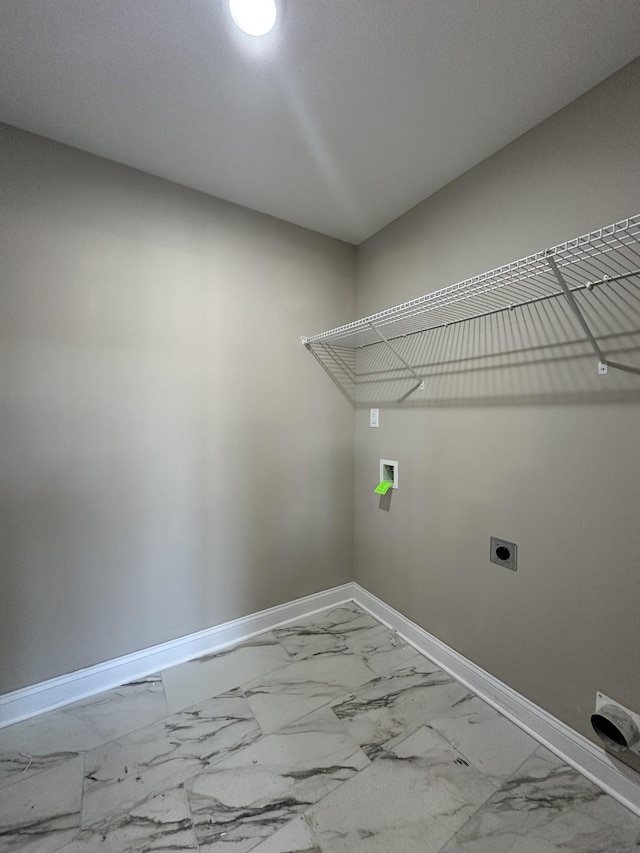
602	366
399	357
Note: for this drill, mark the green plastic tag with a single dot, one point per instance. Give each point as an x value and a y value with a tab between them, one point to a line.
383	487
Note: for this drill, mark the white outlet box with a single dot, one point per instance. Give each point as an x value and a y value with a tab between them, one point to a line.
602	700
389	471
374	417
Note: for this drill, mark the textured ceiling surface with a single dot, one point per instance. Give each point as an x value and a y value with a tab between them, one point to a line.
347	114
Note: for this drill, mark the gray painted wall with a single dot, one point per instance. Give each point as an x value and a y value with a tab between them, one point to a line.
169	453
170	457
545	455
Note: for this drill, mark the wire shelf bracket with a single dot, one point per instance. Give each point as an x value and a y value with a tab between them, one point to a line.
602	363
399	357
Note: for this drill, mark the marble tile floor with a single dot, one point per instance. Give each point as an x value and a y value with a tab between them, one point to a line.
326	736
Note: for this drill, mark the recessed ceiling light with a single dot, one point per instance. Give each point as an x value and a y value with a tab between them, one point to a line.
255	17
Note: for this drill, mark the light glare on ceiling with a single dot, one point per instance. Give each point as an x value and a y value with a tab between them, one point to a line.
255	17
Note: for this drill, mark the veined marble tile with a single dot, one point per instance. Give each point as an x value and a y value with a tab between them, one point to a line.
249	796
129	770
326	633
342	613
547	806
163	822
296	837
398	703
348	620
302	687
411	800
42	813
52	738
495	745
303	644
381	649
349	629
197	680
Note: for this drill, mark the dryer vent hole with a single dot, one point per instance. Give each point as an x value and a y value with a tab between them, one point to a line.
608	731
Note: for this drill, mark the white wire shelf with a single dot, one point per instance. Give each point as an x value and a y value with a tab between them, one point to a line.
572	273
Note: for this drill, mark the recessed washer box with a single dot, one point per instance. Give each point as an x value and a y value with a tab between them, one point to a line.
389	471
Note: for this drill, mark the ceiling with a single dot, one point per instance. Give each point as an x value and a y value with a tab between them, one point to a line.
346	115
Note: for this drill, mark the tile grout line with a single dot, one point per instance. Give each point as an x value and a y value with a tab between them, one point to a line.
76	836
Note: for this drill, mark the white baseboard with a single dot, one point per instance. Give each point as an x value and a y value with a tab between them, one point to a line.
592	761
65	689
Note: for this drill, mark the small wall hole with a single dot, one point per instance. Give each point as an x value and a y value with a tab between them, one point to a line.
503	553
